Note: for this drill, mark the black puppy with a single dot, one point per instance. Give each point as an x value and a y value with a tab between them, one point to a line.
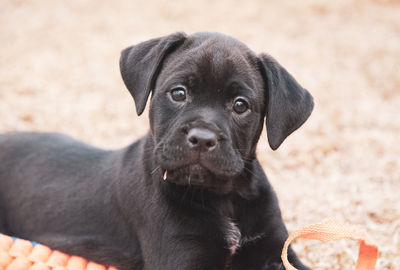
189	195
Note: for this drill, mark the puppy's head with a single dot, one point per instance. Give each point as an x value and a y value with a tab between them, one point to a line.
210	95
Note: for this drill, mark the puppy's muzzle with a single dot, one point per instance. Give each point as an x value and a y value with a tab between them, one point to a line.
202	140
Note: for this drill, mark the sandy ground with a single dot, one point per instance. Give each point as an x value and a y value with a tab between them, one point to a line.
59	72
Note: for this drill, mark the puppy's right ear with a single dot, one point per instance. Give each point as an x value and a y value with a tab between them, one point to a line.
140	65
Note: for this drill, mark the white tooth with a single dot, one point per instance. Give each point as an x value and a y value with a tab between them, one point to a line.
165	175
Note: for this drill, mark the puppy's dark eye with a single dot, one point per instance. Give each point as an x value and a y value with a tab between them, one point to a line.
240	106
178	94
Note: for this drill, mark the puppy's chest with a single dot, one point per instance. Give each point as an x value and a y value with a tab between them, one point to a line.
234	237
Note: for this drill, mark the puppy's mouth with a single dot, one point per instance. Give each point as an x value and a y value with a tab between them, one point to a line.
192	174
182	165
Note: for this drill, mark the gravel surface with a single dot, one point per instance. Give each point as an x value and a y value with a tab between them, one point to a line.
59	72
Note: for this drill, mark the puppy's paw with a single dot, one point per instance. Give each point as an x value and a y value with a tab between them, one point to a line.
274	266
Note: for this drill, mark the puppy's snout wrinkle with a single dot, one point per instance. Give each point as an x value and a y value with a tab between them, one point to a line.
202	140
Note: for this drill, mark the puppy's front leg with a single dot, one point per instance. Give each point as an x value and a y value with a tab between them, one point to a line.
260	255
263	233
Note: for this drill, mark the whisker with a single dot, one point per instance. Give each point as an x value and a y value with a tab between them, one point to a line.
252	173
153	171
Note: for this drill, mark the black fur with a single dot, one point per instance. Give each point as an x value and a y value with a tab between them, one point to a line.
216	209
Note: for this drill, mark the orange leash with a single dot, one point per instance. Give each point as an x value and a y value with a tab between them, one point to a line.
331	229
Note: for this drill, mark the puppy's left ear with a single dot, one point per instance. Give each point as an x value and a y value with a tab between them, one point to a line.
288	104
140	65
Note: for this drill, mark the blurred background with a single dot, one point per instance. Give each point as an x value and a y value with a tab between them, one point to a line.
59	72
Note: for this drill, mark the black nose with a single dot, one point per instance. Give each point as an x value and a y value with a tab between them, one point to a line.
202	139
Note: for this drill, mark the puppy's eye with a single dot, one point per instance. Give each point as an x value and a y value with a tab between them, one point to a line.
178	94
240	106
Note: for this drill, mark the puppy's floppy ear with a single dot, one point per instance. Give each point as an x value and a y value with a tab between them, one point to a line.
140	65
288	105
